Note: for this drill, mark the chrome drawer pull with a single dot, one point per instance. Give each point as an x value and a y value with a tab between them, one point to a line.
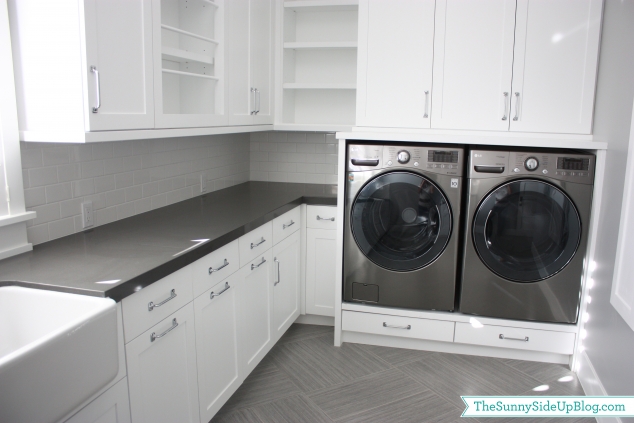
255	266
332	219
278	271
154	336
94	70
151	304
517	107
212	295
212	270
385	325
284	226
506	102
259	243
426	115
524	339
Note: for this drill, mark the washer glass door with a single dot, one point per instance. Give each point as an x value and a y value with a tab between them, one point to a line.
401	221
526	230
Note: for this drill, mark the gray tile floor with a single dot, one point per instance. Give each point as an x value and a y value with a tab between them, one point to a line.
306	379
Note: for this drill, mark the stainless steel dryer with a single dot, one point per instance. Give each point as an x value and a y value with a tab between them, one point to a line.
527	220
402	212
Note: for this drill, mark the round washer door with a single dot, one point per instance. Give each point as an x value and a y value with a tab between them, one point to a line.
401	221
526	230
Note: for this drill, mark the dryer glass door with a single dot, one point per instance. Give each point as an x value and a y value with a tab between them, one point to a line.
526	230
401	221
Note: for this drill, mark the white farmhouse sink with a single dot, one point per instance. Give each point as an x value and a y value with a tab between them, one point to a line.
56	351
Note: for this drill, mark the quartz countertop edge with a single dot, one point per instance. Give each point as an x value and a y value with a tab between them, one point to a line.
120	258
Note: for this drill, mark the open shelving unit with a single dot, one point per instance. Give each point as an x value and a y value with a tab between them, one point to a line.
191	61
319	64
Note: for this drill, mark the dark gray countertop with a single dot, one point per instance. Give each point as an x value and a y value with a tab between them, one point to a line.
142	249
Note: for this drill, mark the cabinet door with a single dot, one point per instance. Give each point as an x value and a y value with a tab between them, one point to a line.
119	47
396	49
113	406
162	371
241	100
320	271
254	311
473	64
261	59
285	284
555	65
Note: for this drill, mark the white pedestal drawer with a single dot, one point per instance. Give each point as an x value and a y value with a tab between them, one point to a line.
404	327
517	338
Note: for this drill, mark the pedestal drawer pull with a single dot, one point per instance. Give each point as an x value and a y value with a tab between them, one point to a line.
385	325
212	295
259	243
212	270
151	306
524	339
154	336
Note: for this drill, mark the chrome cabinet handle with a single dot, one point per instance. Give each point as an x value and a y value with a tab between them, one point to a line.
426	115
284	226
212	270
212	295
257	101
259	243
524	339
385	325
94	70
517	106
506	103
278	271
154	336
332	219
255	266
151	306
253	101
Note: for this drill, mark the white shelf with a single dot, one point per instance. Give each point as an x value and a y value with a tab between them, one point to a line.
311	127
183	56
189	34
318	86
321	6
332	45
193	75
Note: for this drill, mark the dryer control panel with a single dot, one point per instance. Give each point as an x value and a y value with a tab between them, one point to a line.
571	167
442	160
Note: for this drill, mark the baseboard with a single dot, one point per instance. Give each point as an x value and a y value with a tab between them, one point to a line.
592	384
312	319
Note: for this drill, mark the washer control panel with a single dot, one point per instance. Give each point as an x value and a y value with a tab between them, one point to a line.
442	160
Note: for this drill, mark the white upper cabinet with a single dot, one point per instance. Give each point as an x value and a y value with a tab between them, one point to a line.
473	63
189	50
250	43
555	65
396	51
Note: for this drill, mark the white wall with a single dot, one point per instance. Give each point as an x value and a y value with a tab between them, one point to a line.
123	178
610	342
304	157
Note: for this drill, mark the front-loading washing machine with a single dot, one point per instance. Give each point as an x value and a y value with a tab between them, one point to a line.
528	214
402	211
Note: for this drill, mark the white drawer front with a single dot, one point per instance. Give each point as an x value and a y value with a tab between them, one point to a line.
215	267
321	217
517	338
167	295
405	327
255	243
286	224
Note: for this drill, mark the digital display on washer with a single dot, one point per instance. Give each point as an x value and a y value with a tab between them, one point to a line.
439	156
569	163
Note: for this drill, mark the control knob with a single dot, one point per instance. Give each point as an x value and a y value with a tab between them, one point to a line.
403	156
531	163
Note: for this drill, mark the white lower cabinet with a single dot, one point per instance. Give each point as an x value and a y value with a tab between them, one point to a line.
217	346
254	290
162	371
321	249
113	406
286	277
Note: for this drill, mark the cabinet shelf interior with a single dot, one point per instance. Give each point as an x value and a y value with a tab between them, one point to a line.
322	6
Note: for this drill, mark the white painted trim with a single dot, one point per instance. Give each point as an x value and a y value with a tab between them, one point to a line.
341	184
312	319
475	137
592	384
15	251
104	136
17	218
302	260
310	127
453	348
